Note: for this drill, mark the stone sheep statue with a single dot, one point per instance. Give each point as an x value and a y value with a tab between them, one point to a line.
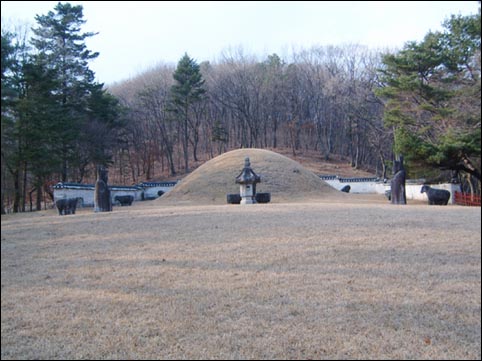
436	196
66	206
124	200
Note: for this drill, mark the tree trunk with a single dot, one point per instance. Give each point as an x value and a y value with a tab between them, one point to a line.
17	196
470	167
170	160
24	187
39	196
64	164
195	143
384	166
185	143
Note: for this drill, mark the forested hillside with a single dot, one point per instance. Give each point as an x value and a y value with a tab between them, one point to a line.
322	101
335	102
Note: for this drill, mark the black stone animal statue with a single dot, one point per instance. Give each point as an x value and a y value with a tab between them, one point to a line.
233	198
66	206
102	201
346	189
397	184
436	196
263	197
125	200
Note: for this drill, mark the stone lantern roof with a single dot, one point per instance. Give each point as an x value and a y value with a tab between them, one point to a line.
247	175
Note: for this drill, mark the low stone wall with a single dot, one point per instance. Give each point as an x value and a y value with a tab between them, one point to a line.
86	192
377	186
358	185
143	191
152	189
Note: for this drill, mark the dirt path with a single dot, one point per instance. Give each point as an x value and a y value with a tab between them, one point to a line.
274	281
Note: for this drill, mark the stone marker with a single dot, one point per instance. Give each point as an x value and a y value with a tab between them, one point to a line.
247	181
102	201
397	184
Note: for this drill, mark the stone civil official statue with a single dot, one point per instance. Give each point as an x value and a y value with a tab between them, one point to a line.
397	183
102	201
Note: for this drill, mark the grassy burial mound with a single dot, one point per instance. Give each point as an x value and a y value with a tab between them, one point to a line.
286	180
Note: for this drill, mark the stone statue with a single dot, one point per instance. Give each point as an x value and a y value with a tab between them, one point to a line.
397	184
346	189
102	202
67	205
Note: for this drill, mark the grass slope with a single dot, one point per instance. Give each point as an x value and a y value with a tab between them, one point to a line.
286	180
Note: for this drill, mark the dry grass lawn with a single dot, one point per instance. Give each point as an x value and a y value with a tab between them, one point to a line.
328	280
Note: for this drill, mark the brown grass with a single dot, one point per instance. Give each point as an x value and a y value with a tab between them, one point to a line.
275	281
314	162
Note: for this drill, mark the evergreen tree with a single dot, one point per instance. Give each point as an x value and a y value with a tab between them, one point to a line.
7	91
8	62
35	110
219	134
187	91
61	48
55	118
14	141
99	134
433	98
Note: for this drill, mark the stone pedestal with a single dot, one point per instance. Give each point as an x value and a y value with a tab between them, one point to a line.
247	194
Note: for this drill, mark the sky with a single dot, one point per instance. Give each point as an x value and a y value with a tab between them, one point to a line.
134	37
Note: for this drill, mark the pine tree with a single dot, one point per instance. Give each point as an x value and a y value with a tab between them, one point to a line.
7	134
15	126
61	48
432	92
220	135
187	91
40	151
99	133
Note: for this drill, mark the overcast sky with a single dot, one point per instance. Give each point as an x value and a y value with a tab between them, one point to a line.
135	36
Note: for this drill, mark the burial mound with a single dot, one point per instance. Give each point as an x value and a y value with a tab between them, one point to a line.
286	180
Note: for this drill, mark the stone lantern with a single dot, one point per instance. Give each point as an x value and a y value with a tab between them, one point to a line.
247	181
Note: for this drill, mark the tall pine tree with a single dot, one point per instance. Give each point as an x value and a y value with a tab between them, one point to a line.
16	120
55	119
187	91
61	48
8	134
433	103
35	110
